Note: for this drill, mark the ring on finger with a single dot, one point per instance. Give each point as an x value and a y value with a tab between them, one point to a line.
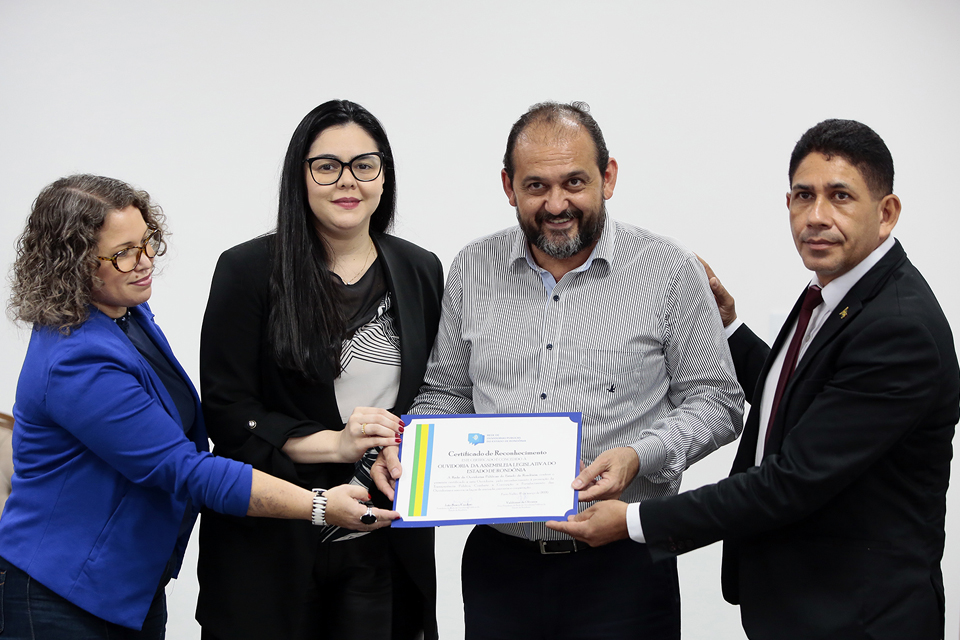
363	429
368	517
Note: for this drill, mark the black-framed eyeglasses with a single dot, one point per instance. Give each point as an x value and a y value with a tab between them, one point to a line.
127	260
326	170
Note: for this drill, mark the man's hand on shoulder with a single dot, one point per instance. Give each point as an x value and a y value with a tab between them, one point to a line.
601	524
725	302
608	476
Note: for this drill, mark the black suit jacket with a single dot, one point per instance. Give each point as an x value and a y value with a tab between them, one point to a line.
840	530
252	570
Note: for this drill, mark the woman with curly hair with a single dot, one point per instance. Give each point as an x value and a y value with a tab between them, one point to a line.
110	448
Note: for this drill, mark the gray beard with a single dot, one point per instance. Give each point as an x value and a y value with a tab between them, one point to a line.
560	246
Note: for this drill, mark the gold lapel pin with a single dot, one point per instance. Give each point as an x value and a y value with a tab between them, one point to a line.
843	314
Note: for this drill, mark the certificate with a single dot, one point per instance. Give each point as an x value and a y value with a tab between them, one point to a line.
472	469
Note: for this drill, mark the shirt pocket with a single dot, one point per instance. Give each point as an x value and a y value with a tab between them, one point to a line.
609	367
607	382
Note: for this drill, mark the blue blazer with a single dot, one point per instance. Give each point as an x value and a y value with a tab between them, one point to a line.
103	469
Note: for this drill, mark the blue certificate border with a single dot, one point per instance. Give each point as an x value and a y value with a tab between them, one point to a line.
574	416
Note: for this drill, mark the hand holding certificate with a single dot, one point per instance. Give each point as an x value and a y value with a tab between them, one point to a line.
487	469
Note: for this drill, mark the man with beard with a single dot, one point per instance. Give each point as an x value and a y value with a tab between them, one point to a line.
573	311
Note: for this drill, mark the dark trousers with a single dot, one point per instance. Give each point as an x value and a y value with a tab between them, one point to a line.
614	591
30	611
351	593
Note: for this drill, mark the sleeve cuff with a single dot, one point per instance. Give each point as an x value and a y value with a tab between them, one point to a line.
731	329
634	527
651	453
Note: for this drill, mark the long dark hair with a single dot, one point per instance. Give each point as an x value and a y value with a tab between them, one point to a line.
306	324
55	272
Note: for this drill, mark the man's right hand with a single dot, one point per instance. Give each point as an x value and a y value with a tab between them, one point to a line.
386	470
725	304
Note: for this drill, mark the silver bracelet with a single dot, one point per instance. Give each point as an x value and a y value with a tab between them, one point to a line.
319	517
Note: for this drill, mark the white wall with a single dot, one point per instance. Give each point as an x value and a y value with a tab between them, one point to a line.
700	102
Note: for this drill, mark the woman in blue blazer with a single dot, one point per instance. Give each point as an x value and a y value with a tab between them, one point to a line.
110	449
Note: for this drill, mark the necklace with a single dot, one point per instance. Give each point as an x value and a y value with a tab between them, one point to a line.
363	268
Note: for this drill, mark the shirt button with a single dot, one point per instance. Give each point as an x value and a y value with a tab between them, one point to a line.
556	298
549	346
543	396
252	424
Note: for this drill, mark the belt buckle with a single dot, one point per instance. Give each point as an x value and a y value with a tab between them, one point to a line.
545	552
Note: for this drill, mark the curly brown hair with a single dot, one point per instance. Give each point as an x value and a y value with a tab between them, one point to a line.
55	271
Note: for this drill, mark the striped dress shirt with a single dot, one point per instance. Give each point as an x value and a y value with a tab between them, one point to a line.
633	341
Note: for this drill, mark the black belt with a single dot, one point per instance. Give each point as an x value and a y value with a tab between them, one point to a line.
545	547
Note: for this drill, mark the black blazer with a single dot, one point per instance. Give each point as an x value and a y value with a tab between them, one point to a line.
251	569
840	531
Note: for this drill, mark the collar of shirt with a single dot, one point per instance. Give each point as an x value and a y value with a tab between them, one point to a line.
837	289
602	251
832	294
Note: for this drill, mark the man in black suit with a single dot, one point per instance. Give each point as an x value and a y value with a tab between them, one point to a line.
833	515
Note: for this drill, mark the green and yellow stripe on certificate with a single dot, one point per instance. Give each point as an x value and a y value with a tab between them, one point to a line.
422	462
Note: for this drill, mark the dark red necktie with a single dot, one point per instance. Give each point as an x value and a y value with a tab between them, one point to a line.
811	299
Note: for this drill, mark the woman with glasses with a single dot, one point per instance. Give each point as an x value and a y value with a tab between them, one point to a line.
314	339
110	448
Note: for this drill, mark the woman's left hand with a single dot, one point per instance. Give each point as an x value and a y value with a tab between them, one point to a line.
368	427
345	509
